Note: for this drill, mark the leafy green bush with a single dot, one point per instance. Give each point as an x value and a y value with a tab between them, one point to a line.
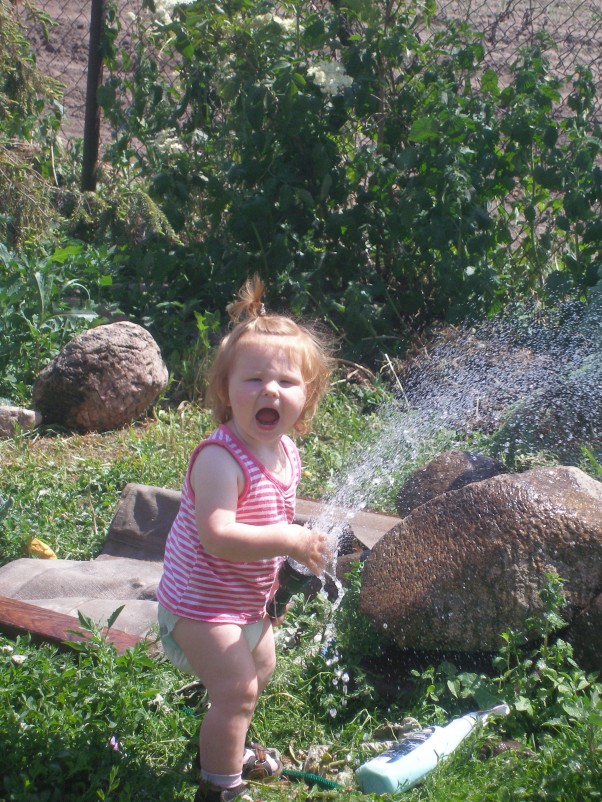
82	723
381	180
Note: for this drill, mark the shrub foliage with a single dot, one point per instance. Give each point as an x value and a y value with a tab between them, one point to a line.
375	177
378	179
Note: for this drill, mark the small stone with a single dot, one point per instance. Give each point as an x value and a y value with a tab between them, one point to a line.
15	419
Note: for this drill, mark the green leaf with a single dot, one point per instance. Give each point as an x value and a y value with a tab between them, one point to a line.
85	621
75	314
523	705
314	33
407	158
489	82
114	615
61	255
424	129
306	198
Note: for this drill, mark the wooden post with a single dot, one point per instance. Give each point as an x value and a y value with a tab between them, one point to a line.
92	118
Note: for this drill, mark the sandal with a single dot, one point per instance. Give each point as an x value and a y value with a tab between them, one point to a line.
260	763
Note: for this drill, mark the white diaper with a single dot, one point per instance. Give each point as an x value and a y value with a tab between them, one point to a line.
174	653
167	622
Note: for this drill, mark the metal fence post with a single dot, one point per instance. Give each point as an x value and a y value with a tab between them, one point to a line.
92	119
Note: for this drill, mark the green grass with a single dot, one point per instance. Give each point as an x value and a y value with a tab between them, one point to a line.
85	724
64	489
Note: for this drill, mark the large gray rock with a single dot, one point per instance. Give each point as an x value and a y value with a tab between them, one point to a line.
450	470
102	380
470	563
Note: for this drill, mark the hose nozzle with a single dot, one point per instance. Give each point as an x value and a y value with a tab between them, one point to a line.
293	577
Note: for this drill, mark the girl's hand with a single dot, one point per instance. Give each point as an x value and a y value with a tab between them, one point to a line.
311	549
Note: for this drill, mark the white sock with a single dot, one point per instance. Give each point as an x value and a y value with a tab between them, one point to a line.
222	780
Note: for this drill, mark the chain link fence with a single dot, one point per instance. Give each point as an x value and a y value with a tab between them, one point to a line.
507	26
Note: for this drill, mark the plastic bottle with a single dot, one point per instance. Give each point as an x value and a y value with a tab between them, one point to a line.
406	763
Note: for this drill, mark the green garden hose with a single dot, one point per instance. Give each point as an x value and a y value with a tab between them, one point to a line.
310	779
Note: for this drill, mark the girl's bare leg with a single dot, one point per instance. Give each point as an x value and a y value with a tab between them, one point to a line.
264	656
234	677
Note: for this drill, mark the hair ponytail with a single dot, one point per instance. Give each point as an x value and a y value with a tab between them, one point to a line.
249	304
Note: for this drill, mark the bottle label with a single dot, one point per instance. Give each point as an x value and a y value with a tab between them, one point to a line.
407	745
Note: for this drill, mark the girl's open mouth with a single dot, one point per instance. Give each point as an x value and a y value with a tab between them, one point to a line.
267	417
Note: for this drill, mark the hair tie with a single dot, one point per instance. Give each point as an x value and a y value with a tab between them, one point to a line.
261	311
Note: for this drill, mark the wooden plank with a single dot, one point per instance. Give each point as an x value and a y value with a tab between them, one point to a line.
19	617
368	527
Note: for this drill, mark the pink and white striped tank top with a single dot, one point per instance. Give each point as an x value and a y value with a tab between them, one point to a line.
198	585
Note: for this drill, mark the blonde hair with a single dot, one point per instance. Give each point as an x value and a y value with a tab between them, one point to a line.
250	319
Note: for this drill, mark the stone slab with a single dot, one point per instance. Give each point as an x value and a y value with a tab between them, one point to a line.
129	567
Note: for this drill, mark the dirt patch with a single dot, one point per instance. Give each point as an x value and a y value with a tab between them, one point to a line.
61	47
62	53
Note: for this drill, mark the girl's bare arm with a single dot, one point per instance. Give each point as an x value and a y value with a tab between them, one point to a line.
217	481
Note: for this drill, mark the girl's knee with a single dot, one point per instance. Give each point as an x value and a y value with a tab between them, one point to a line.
249	696
239	698
265	656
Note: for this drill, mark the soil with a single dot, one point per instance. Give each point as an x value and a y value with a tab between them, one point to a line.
507	24
63	54
62	51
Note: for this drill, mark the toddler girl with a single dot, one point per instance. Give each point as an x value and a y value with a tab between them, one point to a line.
234	528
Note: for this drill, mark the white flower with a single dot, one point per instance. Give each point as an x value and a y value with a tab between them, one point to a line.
287	25
19	659
260	20
168	142
263	20
330	76
164	9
